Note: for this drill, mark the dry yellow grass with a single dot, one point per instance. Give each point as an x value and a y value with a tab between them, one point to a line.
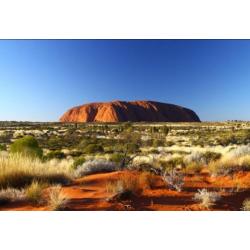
230	165
18	171
34	193
57	199
133	183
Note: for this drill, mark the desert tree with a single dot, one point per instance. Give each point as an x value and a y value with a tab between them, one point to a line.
131	142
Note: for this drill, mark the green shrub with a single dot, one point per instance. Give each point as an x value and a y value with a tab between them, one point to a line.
169	143
172	164
166	130
78	162
2	147
230	139
57	154
75	153
132	148
116	157
28	146
158	143
93	148
211	156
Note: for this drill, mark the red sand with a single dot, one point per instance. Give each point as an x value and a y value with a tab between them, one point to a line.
89	194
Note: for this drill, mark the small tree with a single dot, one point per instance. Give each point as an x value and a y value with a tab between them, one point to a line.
131	142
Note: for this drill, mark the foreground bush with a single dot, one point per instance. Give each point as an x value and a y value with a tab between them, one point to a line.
78	162
206	199
229	166
240	151
10	195
202	158
93	148
27	146
56	154
174	179
96	166
124	184
193	168
2	147
116	157
34	193
246	205
18	171
57	199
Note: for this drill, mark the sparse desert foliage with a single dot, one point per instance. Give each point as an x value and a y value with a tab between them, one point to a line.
229	165
78	162
96	166
174	179
57	199
27	146
134	184
11	194
34	193
206	199
18	171
204	155
246	205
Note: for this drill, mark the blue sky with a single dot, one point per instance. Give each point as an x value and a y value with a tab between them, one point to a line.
41	79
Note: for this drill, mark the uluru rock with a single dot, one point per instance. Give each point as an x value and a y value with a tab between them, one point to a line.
136	111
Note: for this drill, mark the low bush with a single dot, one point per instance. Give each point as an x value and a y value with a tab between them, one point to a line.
193	167
34	193
195	156
2	147
132	148
229	166
96	166
125	183
171	164
227	140
206	199
158	143
93	148
78	162
56	154
240	151
27	146
57	199
10	195
211	156
246	205
116	157
174	179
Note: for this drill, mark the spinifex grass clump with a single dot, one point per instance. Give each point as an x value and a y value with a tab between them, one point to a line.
246	205
229	166
34	193
18	171
57	199
206	199
133	184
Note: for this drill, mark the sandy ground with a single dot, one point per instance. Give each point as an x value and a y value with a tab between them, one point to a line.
89	194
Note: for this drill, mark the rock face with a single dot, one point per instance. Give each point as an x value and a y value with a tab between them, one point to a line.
136	111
